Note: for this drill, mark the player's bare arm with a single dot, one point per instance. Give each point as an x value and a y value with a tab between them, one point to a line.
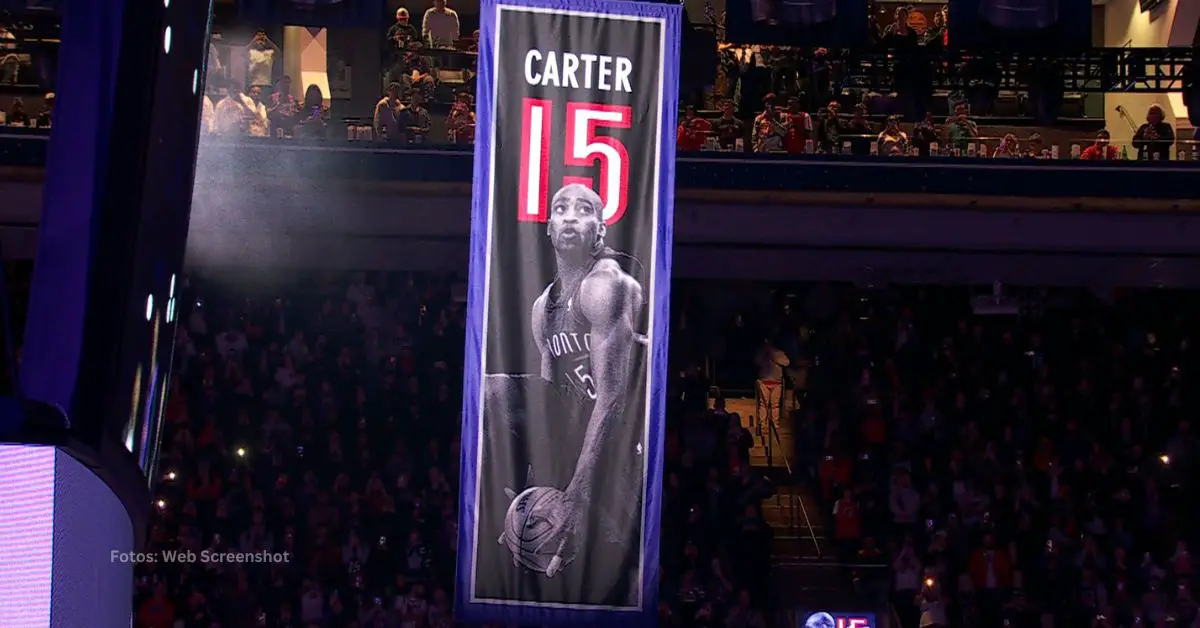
609	298
538	318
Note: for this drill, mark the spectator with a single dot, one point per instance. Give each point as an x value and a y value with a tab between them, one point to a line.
17	115
460	125
938	35
743	615
847	525
284	109
904	503
893	141
416	118
261	56
770	128
391	116
960	130
830	128
439	26
1037	147
1101	149
899	34
728	129
860	131
1009	147
800	128
231	114
45	118
311	120
157	611
401	34
769	388
1154	139
693	131
257	124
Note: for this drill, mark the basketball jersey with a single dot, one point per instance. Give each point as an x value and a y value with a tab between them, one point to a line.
568	338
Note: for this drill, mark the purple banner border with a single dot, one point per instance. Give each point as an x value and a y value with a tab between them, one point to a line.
516	612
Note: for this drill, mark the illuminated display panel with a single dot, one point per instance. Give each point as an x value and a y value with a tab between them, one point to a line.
168	167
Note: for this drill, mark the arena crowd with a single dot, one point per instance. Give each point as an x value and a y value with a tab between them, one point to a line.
1013	470
321	419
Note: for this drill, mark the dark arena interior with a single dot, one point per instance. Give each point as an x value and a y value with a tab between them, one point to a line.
931	303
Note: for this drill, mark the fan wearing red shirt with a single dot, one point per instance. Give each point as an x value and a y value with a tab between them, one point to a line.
693	131
834	471
158	611
800	126
847	521
1101	149
991	569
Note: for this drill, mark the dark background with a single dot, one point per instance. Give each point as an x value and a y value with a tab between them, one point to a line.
1073	32
522	260
848	30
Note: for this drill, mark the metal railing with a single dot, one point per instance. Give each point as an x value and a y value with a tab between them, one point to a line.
772	439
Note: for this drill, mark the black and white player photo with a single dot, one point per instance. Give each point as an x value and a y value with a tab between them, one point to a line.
562	471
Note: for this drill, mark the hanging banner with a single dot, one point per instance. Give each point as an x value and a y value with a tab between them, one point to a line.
567	335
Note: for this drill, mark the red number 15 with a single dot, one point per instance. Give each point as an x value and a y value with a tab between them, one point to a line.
583	149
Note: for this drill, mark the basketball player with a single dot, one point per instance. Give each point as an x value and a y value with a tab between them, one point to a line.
579	422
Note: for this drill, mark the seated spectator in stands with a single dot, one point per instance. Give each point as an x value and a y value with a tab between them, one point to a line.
960	130
1101	149
390	119
233	119
862	133
157	611
46	117
728	129
830	127
312	120
1036	147
417	118
401	34
420	75
460	124
17	116
800	128
284	109
1009	148
692	132
925	135
1154	139
440	26
257	123
770	128
892	140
